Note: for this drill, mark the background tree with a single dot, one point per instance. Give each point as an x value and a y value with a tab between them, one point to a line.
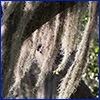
41	57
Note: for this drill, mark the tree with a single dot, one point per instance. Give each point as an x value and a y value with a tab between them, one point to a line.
37	50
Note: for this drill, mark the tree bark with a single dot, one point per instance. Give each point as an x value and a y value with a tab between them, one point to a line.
82	92
48	9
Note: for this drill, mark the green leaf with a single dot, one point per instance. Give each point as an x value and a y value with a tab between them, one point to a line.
96	49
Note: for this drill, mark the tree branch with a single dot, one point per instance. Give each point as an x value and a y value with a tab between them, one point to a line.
43	12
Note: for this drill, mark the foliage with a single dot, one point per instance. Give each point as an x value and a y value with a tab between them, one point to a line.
93	67
92	74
